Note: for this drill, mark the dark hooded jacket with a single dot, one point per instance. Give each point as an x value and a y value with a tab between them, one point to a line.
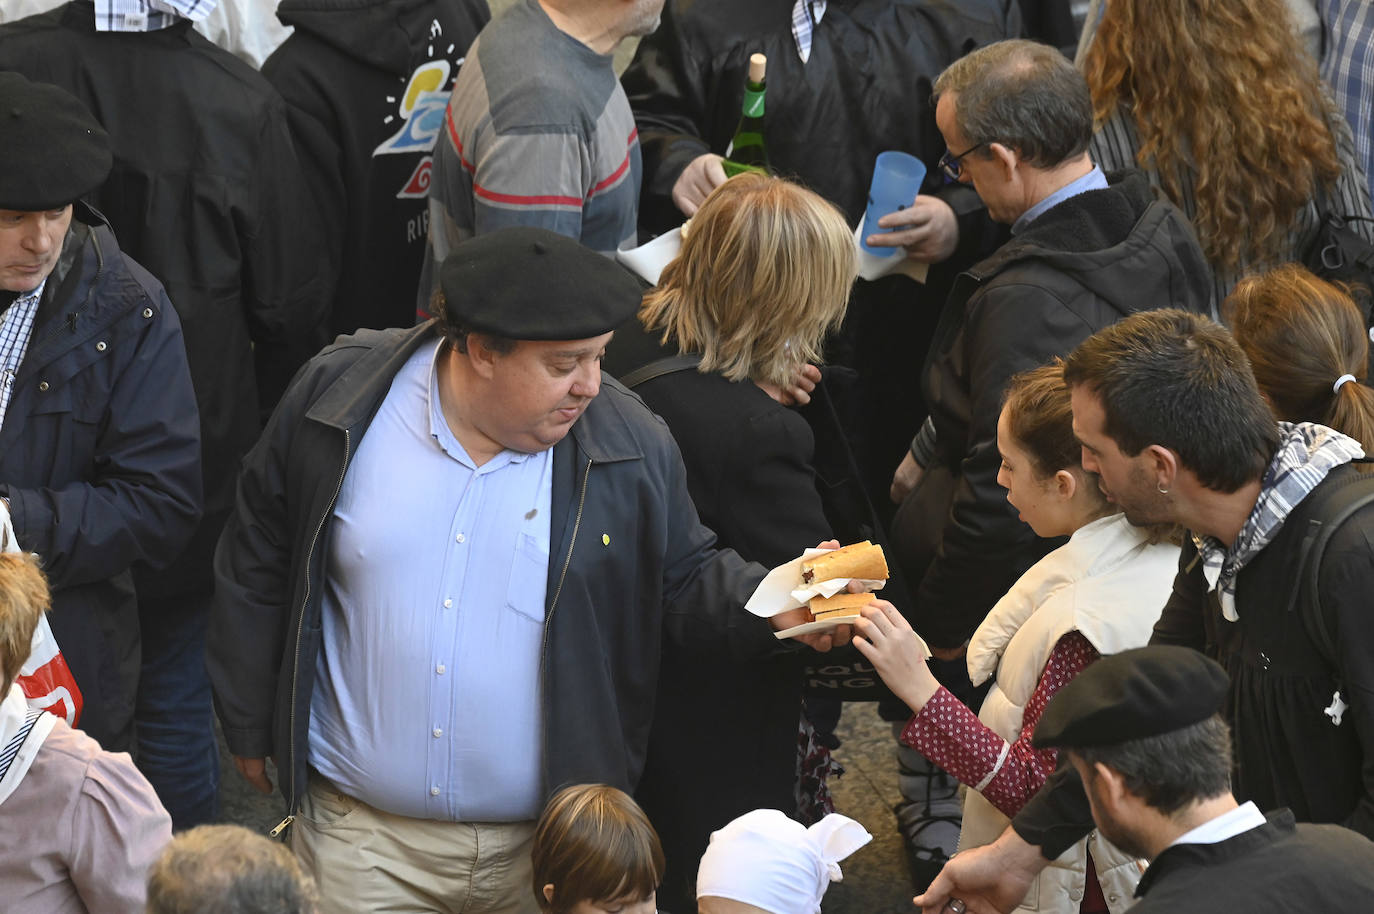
100	459
367	83
205	193
1081	266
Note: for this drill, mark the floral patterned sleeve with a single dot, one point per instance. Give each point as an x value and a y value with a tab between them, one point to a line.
1007	774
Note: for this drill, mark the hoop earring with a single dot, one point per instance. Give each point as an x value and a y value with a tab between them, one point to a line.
1161	490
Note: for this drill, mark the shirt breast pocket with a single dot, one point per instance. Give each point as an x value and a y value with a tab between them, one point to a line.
529	572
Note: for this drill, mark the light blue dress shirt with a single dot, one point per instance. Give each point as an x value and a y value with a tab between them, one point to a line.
427	700
1093	180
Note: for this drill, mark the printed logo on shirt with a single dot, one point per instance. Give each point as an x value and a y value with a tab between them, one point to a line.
421	112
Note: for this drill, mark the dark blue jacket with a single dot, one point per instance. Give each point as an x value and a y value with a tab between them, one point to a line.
100	458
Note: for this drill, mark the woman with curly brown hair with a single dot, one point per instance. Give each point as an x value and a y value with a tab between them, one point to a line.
1220	104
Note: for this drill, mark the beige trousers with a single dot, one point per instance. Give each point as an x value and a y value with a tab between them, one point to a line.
369	861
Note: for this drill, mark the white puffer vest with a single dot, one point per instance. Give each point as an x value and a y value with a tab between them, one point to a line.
1110	585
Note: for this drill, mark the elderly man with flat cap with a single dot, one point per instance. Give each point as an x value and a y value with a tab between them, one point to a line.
456	551
99	433
1144	730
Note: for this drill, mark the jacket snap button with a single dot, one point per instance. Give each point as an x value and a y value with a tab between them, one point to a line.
100	346
147	312
42	385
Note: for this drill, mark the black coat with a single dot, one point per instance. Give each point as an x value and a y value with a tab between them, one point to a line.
1277	866
354	74
1083	265
100	459
206	193
749	472
1288	753
628	565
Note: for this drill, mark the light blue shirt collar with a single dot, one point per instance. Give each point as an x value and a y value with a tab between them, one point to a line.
1093	180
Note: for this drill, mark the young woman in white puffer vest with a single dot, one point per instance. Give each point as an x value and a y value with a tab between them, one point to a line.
1099	593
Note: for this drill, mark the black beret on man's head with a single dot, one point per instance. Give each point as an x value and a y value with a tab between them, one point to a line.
1132	695
52	150
526	283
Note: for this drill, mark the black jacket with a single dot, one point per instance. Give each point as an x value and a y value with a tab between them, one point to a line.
1278	866
367	82
100	459
1083	265
628	563
865	89
206	194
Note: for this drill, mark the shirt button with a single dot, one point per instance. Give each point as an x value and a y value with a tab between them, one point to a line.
439	669
438	732
448	604
147	312
100	346
461	538
42	385
434	791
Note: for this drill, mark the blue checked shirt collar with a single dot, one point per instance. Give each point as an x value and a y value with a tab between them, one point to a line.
1307	453
148	15
16	326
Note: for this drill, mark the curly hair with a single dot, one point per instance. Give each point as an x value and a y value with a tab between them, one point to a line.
1221	89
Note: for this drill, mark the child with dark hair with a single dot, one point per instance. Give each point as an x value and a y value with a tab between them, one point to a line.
1098	594
595	853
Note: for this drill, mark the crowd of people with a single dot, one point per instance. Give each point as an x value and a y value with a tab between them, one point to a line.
1114	446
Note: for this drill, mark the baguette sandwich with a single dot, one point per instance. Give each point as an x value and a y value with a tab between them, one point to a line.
842	604
861	560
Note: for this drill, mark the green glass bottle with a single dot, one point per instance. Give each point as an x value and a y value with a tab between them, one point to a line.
746	151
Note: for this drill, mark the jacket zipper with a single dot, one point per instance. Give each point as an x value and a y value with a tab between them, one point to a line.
300	624
567	561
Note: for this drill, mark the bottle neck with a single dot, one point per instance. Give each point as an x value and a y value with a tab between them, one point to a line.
753	99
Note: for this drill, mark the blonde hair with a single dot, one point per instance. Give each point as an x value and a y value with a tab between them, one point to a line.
593	843
1221	89
24	597
1301	333
763	275
227	869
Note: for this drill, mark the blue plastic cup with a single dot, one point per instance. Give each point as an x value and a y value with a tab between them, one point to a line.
897	179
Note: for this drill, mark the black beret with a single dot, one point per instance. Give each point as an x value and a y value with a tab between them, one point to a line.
1132	695
52	151
527	283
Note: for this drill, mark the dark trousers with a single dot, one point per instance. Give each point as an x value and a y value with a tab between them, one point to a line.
173	716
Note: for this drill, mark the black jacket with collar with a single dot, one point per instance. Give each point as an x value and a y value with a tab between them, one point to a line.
100	458
628	563
1081	266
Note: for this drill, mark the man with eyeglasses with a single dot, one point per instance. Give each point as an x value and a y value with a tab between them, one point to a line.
1085	250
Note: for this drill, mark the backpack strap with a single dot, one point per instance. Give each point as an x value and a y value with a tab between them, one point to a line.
659	367
1330	507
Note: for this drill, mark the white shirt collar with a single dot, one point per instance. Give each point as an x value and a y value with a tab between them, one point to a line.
1227	825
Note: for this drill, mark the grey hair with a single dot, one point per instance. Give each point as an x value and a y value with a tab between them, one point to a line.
227	869
1024	95
1171	770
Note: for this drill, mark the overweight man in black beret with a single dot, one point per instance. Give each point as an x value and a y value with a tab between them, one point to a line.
1144	730
456	550
99	433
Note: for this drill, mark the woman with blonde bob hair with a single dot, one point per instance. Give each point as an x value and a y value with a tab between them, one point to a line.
1307	345
1220	104
764	273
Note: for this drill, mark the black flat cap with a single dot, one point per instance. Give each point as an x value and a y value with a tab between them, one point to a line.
533	284
1132	695
52	151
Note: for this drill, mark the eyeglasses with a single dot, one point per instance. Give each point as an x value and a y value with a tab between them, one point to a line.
953	165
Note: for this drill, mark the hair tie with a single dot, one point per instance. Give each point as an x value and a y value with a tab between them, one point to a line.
1336	388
